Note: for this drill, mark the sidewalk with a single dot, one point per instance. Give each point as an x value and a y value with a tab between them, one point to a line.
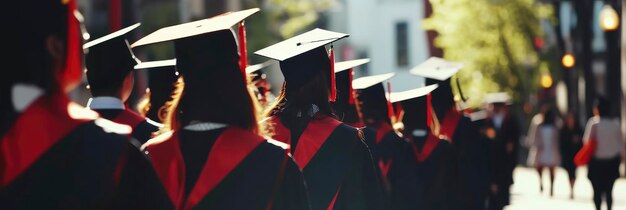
525	193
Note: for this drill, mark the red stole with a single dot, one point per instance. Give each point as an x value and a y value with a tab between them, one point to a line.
43	124
315	134
427	149
449	124
381	130
230	148
129	118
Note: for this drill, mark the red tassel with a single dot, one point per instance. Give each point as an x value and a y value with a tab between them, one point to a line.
243	50
390	111
429	114
333	88
115	15
350	90
73	65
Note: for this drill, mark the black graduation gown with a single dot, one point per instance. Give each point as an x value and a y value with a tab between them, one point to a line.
472	159
142	127
53	161
227	169
336	163
393	156
435	165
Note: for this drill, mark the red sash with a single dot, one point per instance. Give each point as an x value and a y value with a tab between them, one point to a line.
230	148
382	130
129	118
429	147
315	134
449	124
43	124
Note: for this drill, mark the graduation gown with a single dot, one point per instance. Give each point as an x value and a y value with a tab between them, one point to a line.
142	127
336	164
227	168
396	163
58	155
436	172
472	158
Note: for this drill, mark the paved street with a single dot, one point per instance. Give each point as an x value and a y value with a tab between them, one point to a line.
526	195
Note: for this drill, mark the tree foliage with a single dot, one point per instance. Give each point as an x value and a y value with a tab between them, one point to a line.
495	41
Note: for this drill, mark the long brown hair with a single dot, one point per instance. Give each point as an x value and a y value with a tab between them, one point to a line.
300	97
213	90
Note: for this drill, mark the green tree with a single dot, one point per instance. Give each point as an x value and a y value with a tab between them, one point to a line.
495	41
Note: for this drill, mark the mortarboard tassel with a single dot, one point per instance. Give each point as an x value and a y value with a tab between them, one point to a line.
333	88
115	15
72	63
390	111
429	114
350	90
243	50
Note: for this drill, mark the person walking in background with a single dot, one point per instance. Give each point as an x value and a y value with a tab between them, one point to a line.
570	141
504	132
604	164
544	145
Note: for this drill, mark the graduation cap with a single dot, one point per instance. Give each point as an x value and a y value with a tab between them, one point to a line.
372	96
437	68
204	43
162	77
256	67
415	105
302	56
109	60
439	71
498	98
156	64
343	78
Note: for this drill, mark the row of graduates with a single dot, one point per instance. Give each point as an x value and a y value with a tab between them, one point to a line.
212	152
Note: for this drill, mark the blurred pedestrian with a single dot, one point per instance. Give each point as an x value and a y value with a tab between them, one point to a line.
503	130
545	144
570	142
604	164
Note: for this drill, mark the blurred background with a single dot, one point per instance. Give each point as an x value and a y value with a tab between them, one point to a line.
559	52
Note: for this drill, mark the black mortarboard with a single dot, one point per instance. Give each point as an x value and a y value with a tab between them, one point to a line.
109	59
202	44
303	56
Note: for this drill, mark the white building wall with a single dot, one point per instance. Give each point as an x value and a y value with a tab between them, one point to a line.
372	28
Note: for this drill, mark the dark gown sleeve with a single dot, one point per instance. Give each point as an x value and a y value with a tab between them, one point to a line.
139	186
292	192
361	188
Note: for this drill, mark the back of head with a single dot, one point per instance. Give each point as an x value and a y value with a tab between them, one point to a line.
214	86
342	107
108	64
373	104
604	106
35	23
304	85
442	97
